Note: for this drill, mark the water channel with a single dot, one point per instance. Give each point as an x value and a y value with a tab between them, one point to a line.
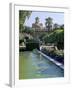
34	65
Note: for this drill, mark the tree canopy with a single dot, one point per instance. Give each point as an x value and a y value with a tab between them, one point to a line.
37	20
22	17
48	23
56	37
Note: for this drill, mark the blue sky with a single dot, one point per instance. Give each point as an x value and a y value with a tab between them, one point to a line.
57	17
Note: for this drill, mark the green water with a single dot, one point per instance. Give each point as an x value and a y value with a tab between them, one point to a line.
34	65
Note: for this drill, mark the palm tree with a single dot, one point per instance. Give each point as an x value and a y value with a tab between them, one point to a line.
49	23
56	26
37	20
62	26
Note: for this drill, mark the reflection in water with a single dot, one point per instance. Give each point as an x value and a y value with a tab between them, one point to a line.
34	65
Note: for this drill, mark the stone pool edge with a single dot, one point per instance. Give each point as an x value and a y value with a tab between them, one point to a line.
52	60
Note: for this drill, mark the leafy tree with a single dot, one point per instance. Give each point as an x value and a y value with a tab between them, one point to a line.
41	36
22	17
48	23
56	37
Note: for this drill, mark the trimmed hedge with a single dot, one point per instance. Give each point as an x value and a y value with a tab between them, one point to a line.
55	55
32	44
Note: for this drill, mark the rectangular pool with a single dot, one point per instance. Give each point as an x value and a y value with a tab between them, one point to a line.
34	65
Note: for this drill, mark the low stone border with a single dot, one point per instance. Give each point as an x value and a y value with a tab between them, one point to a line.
52	60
